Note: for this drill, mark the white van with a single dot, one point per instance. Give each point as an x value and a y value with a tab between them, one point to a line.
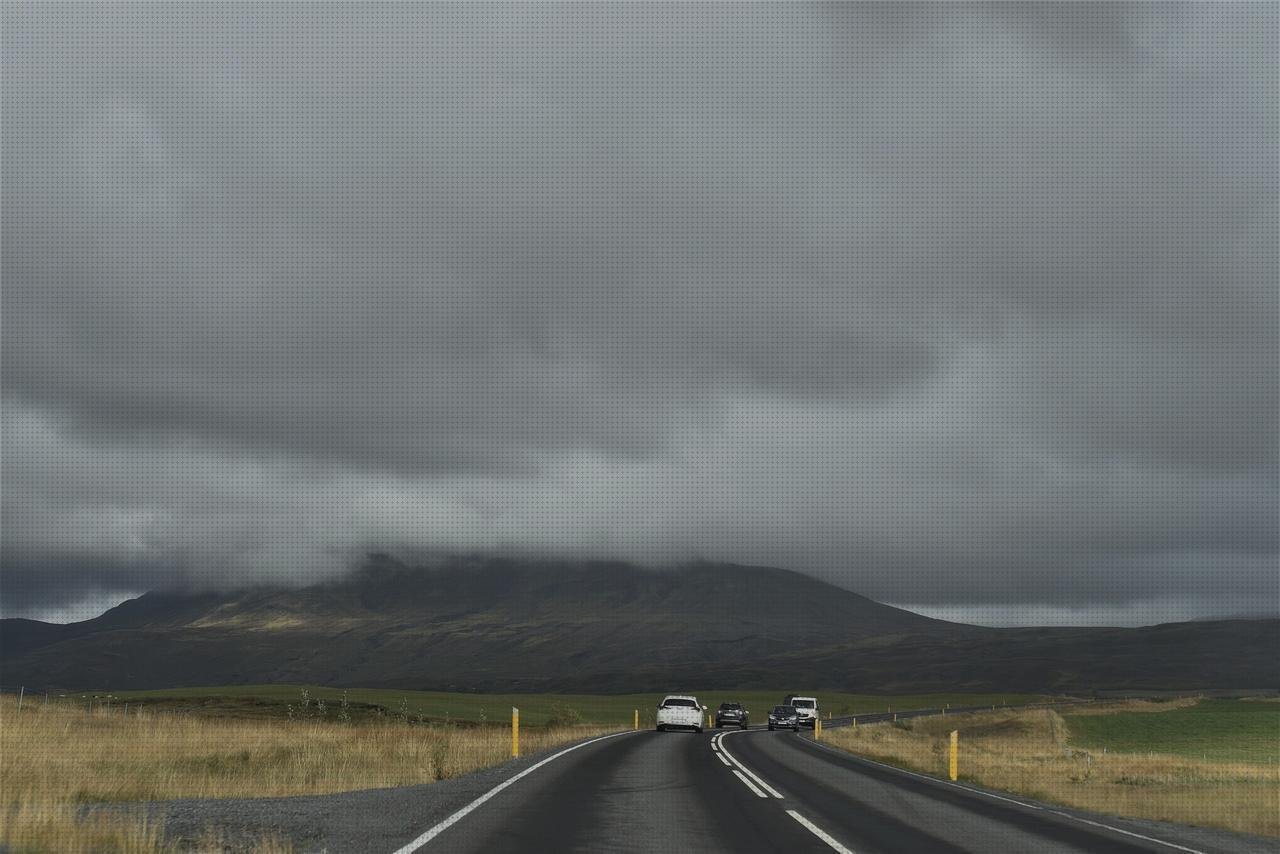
678	711
806	709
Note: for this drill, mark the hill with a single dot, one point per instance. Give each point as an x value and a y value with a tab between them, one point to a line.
506	625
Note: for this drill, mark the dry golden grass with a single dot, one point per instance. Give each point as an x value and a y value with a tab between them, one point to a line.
1029	753
1109	708
54	758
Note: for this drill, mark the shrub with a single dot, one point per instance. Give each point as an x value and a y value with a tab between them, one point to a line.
563	715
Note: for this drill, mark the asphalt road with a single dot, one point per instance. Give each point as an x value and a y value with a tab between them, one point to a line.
747	791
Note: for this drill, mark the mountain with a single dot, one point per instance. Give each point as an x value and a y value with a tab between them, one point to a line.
497	624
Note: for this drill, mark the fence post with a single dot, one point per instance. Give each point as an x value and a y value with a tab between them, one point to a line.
21	691
953	771
515	732
635	721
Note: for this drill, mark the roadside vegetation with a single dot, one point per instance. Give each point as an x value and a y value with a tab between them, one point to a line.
56	757
1204	762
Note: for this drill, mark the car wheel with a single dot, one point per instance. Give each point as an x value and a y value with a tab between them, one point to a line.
795	729
661	728
698	730
770	727
744	726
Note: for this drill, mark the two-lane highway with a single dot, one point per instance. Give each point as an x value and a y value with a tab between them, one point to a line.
635	792
742	791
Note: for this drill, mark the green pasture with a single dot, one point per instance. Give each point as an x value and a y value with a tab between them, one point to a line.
1230	730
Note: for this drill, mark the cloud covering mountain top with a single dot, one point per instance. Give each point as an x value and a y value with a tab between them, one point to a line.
949	305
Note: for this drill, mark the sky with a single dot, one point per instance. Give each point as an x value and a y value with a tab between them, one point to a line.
971	309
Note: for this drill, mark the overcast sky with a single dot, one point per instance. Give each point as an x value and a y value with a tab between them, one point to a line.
972	309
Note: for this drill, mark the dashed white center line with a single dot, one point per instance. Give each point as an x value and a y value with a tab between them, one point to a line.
759	787
820	833
750	785
724	751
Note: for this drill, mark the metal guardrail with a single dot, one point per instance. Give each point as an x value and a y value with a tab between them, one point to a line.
881	717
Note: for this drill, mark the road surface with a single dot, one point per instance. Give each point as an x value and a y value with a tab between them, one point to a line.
746	791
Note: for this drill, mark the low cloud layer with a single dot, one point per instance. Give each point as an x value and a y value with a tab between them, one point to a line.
963	307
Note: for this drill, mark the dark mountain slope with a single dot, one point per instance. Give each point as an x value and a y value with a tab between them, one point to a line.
490	624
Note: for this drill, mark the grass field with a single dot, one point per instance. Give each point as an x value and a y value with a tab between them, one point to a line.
1230	730
57	757
365	704
1042	754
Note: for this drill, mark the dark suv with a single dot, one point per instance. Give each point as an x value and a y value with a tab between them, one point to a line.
784	717
731	714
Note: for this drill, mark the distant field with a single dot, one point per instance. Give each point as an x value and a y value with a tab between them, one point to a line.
535	709
1230	730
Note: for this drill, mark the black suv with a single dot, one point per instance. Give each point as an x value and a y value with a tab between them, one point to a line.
731	714
784	717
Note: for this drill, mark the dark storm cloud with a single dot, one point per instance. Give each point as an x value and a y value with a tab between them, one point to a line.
947	304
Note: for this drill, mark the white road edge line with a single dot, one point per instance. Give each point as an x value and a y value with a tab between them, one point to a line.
770	789
819	832
720	756
972	790
1126	832
927	777
750	785
462	813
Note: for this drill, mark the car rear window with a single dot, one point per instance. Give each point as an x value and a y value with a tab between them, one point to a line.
668	704
730	706
803	704
783	710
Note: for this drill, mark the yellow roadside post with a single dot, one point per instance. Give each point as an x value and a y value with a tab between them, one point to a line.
817	729
635	723
515	731
953	771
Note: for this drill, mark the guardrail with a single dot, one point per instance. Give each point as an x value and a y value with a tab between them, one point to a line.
890	715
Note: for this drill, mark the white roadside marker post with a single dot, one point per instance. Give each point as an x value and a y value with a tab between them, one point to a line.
953	770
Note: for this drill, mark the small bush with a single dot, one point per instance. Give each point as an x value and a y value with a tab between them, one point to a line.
563	715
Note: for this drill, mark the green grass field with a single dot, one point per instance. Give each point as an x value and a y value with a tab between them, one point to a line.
535	709
1231	730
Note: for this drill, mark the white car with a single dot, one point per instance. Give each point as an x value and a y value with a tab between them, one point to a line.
678	711
806	709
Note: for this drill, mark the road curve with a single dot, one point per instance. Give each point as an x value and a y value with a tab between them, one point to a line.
761	791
